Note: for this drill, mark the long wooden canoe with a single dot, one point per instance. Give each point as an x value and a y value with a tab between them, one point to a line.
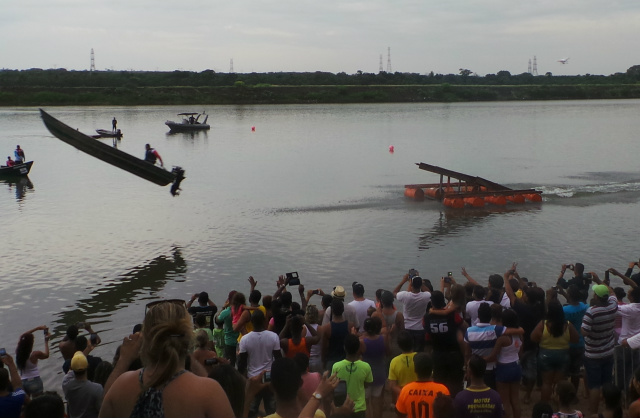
112	155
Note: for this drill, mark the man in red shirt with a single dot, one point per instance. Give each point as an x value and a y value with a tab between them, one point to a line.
10	162
417	396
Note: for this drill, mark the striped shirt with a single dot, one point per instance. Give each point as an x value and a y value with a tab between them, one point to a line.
598	326
482	338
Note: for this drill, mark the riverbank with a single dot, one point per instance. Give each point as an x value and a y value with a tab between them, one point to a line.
242	94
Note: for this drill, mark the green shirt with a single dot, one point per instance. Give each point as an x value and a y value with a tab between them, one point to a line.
356	374
218	340
230	337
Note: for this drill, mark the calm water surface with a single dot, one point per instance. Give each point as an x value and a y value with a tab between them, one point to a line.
314	190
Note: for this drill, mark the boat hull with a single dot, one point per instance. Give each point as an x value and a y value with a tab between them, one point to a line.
103	133
17	170
106	153
187	127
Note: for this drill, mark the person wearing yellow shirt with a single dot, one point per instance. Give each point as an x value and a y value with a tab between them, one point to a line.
401	369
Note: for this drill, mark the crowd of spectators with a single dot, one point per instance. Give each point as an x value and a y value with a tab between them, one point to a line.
451	350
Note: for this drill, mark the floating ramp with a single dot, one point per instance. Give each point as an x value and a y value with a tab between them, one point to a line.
460	190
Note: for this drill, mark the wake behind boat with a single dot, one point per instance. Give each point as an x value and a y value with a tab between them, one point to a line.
190	122
112	155
16	170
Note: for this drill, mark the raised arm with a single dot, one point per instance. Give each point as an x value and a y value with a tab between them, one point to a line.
128	353
397	289
469	278
624	278
16	381
314	338
507	287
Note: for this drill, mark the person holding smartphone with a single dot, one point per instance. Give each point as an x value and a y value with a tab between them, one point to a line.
12	396
27	360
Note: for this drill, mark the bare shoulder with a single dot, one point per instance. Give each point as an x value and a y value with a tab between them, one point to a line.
192	395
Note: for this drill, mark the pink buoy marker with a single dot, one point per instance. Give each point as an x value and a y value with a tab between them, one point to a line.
391	149
253	129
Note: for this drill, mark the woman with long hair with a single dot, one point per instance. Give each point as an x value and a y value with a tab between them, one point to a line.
507	352
27	361
162	387
553	335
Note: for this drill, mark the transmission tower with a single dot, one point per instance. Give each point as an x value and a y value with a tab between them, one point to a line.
529	68
381	69
535	66
231	66
389	59
93	62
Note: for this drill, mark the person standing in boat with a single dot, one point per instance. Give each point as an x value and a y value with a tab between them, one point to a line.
19	155
151	155
114	123
10	162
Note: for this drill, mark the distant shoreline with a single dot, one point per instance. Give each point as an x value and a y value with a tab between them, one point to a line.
306	94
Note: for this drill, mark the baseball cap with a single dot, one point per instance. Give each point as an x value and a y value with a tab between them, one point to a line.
600	290
79	362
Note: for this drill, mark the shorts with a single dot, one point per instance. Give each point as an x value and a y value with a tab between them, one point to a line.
490	378
553	360
33	386
529	364
576	360
599	371
508	372
374	391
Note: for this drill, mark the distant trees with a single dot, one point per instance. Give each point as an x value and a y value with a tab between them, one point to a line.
61	78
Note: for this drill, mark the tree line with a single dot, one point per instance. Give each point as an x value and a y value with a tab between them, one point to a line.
63	78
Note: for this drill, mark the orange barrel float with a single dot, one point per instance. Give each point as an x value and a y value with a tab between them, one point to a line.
451	202
533	197
476	202
414	193
496	200
434	193
516	198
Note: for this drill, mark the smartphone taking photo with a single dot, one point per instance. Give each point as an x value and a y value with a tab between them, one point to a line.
293	278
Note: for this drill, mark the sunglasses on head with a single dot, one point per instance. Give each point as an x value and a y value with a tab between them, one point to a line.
150	305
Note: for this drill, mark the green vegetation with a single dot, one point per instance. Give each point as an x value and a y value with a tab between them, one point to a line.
36	87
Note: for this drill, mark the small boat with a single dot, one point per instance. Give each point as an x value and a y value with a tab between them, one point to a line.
104	133
190	122
112	155
16	170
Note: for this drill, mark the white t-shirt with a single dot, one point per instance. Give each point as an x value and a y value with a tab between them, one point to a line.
630	314
472	310
361	307
414	306
349	315
259	347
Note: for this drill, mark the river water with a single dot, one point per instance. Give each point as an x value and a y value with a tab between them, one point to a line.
314	189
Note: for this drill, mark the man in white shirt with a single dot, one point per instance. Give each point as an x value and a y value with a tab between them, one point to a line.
360	304
338	292
414	306
257	351
472	306
630	314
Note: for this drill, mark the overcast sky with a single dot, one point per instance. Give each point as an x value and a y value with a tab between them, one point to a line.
599	36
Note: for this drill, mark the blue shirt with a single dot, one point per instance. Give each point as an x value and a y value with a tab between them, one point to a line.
11	405
482	338
574	314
